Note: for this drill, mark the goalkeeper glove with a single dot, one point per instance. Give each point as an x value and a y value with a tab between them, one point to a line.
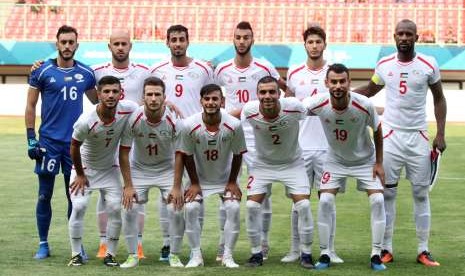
34	151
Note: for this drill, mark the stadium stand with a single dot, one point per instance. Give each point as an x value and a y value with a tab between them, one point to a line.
275	21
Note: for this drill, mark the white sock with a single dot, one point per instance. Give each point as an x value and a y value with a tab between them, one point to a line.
193	229
232	225
176	227
295	240
140	208
201	216
378	222
266	216
325	209
221	220
390	195
164	221
113	209
332	235
102	218
305	225
130	228
422	211
254	225
76	223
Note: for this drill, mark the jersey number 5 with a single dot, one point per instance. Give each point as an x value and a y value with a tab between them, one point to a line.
403	87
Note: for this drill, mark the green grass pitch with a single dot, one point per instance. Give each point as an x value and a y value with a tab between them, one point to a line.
18	238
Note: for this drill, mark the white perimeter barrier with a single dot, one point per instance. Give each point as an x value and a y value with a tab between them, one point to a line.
13	102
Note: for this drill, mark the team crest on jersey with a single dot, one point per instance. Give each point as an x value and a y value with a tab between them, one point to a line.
79	77
417	72
52	80
354	119
165	133
193	75
256	77
230	80
327	121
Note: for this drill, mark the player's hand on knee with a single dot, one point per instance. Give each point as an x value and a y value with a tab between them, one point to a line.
79	185
129	197
192	192
176	198
233	190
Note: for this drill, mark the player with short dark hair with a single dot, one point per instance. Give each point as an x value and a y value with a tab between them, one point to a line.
61	84
345	117
212	143
96	137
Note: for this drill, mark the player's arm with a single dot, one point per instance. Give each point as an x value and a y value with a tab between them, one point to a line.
92	95
129	193
33	147
372	88
232	185
378	169
289	93
282	84
176	196
440	112
194	189
36	65
80	182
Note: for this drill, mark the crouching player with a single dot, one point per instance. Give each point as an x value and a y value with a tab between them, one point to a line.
94	145
212	143
152	132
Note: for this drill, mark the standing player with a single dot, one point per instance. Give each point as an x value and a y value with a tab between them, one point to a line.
61	83
345	117
239	77
96	138
212	143
152	133
275	124
131	76
182	75
308	80
407	75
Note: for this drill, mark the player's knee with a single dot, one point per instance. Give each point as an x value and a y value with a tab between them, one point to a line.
302	205
113	207
232	206
253	205
192	208
420	193
326	201
79	206
376	200
390	193
45	197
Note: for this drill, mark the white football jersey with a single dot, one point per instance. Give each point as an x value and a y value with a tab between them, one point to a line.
304	82
131	78
406	85
100	141
276	142
240	84
212	152
346	131
152	145
183	84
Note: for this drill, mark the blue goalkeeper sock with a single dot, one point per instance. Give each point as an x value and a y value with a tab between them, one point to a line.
44	207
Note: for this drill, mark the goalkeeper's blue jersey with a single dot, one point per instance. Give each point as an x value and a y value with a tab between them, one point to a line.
61	91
